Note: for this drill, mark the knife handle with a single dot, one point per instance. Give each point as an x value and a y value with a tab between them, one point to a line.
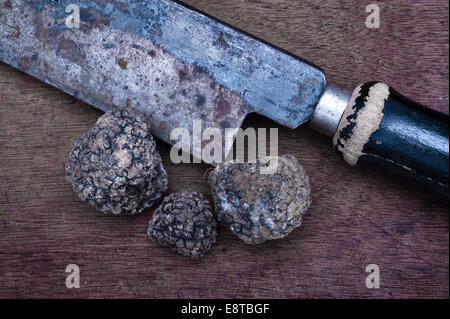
379	126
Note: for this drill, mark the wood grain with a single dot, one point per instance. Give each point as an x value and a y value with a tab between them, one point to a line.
358	217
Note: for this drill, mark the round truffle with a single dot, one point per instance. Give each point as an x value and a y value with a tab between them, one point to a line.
257	206
115	166
185	223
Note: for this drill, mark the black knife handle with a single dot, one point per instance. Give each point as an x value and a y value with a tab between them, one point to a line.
382	127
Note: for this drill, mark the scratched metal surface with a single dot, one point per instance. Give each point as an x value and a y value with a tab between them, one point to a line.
161	58
358	216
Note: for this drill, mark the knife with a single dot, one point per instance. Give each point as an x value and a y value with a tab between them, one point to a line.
176	64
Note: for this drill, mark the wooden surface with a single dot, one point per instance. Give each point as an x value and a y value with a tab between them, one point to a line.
358	217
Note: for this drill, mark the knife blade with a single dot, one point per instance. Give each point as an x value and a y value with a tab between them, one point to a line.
166	60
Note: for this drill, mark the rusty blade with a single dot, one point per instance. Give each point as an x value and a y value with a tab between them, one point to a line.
160	57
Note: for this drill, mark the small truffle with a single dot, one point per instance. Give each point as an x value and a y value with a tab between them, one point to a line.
115	166
185	223
259	207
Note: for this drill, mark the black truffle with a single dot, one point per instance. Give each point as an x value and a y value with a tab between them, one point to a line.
259	207
115	166
185	223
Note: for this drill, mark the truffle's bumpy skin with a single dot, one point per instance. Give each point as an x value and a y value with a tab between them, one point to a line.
185	223
115	166
258	207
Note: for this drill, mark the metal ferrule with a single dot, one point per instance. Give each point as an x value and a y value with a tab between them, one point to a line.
329	110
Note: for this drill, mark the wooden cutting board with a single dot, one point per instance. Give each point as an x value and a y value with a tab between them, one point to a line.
358	217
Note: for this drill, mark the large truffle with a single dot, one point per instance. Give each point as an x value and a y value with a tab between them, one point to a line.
185	223
115	166
259	207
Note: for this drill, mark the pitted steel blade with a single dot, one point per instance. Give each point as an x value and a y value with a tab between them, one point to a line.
161	58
